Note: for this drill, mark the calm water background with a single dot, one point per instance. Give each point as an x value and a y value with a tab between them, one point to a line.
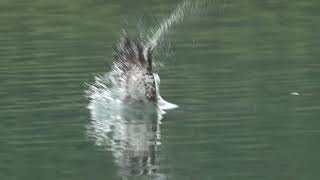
231	68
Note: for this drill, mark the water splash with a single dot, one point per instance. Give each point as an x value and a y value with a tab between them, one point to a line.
178	14
130	129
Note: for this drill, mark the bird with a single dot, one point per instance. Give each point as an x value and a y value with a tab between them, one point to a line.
132	62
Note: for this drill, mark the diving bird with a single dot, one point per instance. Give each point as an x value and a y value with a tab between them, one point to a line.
133	64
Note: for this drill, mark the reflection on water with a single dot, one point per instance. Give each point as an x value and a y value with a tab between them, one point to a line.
130	132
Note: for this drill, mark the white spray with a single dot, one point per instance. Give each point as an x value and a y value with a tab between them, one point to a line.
177	15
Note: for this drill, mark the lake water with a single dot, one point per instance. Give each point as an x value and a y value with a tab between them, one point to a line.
245	74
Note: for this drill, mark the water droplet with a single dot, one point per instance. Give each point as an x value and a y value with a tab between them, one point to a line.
295	94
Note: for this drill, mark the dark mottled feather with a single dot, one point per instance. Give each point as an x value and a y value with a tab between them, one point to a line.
129	55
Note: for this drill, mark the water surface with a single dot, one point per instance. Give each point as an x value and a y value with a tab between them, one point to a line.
245	75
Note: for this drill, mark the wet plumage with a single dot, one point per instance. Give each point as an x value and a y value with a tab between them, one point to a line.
133	62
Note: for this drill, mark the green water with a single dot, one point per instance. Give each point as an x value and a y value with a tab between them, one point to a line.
245	75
